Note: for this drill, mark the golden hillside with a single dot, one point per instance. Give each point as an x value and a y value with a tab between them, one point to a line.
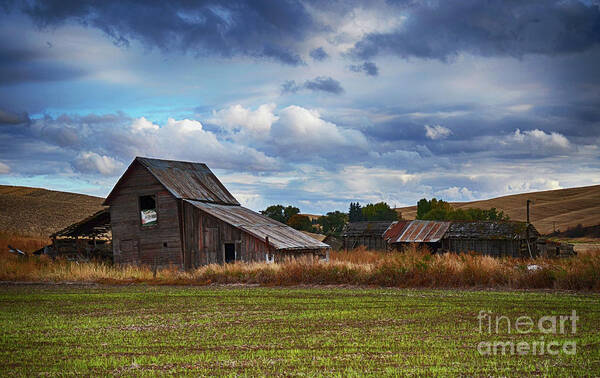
566	207
41	212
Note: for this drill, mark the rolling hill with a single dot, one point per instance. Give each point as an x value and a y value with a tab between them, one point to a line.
41	212
562	207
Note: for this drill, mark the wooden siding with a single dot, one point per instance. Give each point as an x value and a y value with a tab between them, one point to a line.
151	245
205	237
370	242
493	247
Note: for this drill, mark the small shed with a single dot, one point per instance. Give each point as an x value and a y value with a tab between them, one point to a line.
368	234
176	213
495	238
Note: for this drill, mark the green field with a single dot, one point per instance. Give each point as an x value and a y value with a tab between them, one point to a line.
146	330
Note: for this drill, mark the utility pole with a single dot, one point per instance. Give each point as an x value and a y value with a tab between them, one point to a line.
528	202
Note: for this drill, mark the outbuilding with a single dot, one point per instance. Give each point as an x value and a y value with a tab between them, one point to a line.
368	234
177	213
494	238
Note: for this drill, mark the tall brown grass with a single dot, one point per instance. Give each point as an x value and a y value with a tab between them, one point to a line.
412	268
25	243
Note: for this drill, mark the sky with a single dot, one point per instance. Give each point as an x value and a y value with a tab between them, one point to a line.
309	103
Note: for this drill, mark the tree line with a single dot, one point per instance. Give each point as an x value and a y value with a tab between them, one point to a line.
333	222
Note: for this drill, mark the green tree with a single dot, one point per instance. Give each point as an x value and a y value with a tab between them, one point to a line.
380	211
280	213
289	212
275	212
355	213
300	222
435	209
333	223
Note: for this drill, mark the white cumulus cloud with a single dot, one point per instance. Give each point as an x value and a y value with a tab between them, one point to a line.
437	132
4	168
91	162
257	121
541	138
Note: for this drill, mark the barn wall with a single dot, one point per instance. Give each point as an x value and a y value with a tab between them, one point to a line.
370	242
151	245
492	247
206	235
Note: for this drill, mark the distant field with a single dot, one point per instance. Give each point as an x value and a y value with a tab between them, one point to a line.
144	330
41	212
566	207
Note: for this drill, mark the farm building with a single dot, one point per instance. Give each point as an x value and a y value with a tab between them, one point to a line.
330	240
429	233
89	238
178	213
367	233
506	238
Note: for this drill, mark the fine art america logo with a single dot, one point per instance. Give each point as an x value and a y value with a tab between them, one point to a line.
548	326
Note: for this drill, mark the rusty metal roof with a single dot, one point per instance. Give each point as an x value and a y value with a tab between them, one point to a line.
417	231
260	226
394	231
184	180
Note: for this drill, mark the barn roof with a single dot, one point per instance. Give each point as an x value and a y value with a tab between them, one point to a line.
417	231
366	228
260	226
184	180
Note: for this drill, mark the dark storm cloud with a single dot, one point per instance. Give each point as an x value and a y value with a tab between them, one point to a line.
319	54
23	64
318	84
369	68
12	118
252	28
443	29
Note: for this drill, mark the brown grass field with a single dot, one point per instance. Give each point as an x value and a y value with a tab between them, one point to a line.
414	268
41	212
566	207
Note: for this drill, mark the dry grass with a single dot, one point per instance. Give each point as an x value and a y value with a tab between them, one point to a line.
25	243
413	268
34	211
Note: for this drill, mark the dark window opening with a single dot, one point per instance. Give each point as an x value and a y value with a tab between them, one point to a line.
229	252
148	213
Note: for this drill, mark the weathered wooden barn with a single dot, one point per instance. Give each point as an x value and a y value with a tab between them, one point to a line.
178	213
495	238
367	233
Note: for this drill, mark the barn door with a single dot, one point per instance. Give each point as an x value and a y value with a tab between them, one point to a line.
212	245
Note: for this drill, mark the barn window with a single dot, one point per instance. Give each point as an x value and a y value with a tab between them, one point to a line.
270	258
148	213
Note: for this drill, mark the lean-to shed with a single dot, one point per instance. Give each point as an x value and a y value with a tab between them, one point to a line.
495	238
178	213
90	238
